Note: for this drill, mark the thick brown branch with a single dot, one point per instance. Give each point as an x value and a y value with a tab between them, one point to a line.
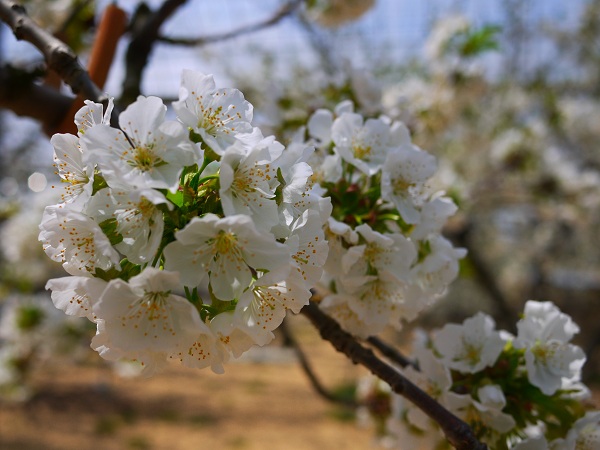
286	10
457	432
57	54
142	41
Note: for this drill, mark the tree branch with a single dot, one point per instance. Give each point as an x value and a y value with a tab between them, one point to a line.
145	34
312	377
390	352
57	54
286	10
457	432
21	95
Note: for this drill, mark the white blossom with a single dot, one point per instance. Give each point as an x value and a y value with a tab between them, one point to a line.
232	340
584	435
433	215
469	347
144	315
139	219
149	153
390	255
227	250
308	247
76	295
248	180
204	351
262	308
337	307
92	114
373	300
439	268
319	126
403	179
151	361
77	241
364	144
74	173
219	116
484	413
544	333
337	234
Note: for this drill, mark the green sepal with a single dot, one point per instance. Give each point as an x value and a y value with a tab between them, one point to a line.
99	182
107	275
209	153
109	228
128	270
195	137
424	250
279	188
216	307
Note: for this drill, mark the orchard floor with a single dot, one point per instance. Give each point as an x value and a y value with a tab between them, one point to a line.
262	402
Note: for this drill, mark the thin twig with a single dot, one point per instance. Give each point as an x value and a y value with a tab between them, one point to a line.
506	317
57	54
306	367
286	10
393	354
457	432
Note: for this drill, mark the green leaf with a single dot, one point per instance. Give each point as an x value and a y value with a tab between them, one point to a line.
99	182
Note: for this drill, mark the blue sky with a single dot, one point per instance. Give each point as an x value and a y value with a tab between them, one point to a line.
392	29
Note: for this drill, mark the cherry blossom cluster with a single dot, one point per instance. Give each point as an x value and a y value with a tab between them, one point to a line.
388	260
521	392
184	239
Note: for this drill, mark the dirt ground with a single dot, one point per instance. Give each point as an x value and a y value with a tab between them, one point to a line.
262	402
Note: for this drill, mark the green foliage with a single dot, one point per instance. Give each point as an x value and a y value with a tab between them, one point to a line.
29	317
473	42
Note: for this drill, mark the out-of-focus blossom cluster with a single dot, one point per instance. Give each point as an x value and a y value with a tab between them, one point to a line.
521	160
23	267
520	391
32	331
